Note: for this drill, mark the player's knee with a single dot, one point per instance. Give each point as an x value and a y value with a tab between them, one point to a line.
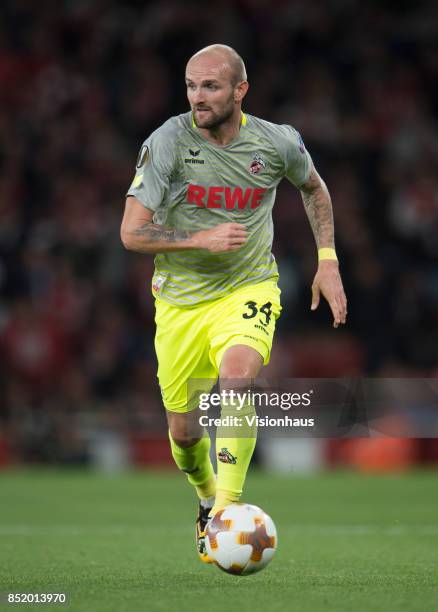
181	436
185	441
240	362
236	371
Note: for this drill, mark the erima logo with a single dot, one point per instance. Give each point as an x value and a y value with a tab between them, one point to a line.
194	157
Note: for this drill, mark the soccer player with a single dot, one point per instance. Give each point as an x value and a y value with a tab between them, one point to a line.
201	200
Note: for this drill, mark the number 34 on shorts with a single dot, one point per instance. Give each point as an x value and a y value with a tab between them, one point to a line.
249	314
254	310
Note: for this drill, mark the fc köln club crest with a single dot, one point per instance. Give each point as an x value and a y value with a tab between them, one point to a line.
258	164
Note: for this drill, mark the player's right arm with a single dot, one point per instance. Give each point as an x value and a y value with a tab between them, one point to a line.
139	233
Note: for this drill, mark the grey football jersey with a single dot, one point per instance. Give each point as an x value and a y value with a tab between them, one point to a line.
193	184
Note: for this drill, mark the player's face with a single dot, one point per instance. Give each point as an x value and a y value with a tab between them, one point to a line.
210	93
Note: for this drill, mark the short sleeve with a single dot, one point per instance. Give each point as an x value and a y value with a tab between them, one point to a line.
297	160
154	168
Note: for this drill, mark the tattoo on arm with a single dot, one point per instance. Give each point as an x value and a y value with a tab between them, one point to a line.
157	233
318	206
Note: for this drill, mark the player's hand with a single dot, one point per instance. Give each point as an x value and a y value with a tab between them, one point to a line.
222	238
328	282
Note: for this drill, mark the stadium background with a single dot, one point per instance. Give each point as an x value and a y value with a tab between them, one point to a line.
83	83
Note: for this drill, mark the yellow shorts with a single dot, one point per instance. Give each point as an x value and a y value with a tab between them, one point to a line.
190	342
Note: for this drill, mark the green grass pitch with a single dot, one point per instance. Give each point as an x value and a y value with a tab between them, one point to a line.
125	543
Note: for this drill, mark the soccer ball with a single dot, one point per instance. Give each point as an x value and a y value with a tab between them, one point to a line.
241	539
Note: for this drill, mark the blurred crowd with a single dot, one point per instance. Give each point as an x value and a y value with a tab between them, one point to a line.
83	82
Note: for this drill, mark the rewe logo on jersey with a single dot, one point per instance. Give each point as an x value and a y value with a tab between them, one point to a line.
225	197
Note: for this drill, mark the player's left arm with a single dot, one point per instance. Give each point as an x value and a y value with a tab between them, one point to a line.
318	206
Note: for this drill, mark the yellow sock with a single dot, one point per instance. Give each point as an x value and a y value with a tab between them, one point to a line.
195	462
233	456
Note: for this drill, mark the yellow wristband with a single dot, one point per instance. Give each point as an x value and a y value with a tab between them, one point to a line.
327	253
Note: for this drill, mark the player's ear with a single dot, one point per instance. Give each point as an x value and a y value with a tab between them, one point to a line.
240	91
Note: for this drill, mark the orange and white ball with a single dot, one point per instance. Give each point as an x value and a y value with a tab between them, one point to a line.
241	539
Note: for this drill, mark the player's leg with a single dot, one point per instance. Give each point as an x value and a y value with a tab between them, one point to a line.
241	342
240	365
181	346
190	446
182	353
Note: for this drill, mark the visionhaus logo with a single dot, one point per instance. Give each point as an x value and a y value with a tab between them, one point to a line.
194	159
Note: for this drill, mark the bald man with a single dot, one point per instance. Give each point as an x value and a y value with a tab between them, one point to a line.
201	201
